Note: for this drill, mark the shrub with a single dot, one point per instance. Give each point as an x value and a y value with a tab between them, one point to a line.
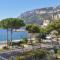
17	57
5	47
20	58
40	53
58	51
25	41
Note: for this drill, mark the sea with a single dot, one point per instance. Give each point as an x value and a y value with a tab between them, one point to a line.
15	35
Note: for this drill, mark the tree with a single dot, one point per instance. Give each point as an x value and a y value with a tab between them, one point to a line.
32	29
54	25
12	23
5	25
42	35
15	23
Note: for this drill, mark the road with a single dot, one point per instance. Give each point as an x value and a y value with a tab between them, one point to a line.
6	54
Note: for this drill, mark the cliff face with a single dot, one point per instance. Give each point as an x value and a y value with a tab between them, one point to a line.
39	15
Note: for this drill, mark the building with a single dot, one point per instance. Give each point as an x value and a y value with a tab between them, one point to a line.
45	23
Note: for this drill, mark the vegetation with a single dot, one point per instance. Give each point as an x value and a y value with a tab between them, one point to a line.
58	51
10	24
55	25
39	53
32	29
5	48
15	23
24	41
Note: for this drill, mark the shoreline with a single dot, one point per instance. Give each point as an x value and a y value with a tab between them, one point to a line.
8	41
3	43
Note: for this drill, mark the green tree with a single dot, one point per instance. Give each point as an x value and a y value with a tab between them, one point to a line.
42	35
11	23
32	29
15	23
54	25
5	25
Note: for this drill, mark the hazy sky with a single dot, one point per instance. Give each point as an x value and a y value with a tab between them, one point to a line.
13	8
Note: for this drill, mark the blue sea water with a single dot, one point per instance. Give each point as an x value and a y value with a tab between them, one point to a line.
15	35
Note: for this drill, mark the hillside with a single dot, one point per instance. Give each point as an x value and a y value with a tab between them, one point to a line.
39	15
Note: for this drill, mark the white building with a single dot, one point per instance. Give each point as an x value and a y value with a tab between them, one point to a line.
45	23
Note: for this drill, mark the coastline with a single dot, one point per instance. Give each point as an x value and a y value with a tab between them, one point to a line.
3	43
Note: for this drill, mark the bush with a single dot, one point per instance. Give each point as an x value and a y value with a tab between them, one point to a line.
17	57
58	51
14	43
25	41
20	58
5	47
40	53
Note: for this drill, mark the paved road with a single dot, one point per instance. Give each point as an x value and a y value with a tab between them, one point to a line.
2	58
7	54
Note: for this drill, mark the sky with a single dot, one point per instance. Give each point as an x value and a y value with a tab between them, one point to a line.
13	8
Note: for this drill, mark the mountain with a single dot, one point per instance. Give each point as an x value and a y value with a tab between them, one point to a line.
37	16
